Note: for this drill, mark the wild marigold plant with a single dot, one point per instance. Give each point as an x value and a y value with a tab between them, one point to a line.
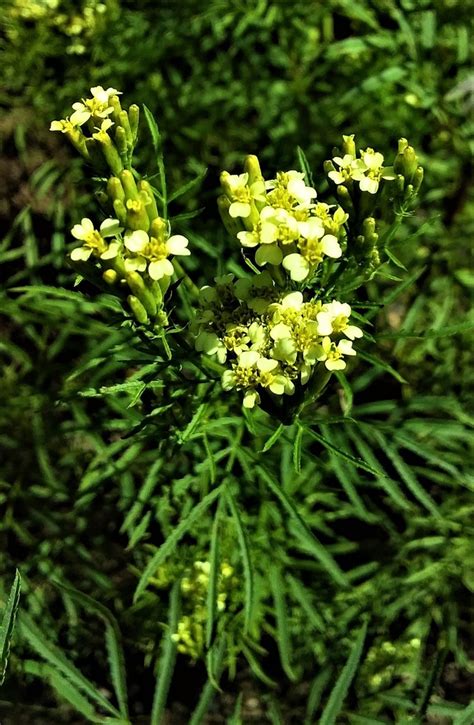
276	333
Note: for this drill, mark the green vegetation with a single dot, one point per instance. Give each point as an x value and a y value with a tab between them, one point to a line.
182	559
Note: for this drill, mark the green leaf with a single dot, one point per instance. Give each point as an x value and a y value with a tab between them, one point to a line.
273	438
358	462
55	657
381	365
209	689
408	477
193	423
112	640
320	683
343	475
347	390
171	542
283	633
213	580
302	596
8	624
189	186
304	166
339	692
466	717
246	560
167	660
154	130
305	535
64	689
297	444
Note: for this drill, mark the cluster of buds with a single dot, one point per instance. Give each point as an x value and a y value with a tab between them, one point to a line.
132	250
191	629
271	340
280	220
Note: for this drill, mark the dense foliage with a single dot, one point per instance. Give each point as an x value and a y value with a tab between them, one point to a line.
333	580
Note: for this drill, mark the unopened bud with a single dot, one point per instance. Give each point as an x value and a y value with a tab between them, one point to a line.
129	185
348	145
148	199
138	310
110	276
134	117
138	287
121	141
125	124
159	229
252	167
115	189
120	211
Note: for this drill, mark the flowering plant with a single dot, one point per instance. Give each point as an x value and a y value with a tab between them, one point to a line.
278	331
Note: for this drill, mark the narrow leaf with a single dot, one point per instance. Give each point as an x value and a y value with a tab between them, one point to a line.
246	560
8	624
171	542
338	693
168	657
305	535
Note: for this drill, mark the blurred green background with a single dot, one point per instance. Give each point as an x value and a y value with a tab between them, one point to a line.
224	79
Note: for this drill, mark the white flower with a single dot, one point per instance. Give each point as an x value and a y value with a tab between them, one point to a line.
160	268
297	266
177	244
332	354
372	171
97	106
334	317
298	189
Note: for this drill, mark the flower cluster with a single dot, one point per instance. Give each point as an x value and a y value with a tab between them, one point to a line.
271	340
191	629
281	220
367	170
133	248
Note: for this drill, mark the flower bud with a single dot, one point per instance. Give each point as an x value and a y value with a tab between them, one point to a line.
114	101
125	124
109	152
406	161
138	309
120	211
417	179
252	167
368	229
121	141
348	145
156	291
115	189
133	117
110	276
159	229
129	185
148	197
138	287
328	166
